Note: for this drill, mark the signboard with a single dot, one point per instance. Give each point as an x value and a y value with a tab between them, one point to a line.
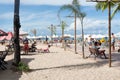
102	0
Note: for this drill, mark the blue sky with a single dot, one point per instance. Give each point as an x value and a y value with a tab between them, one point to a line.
41	14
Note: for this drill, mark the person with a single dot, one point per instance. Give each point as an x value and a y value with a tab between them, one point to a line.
46	39
100	51
26	46
89	40
45	50
113	41
33	47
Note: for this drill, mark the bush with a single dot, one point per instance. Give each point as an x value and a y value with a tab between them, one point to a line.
23	67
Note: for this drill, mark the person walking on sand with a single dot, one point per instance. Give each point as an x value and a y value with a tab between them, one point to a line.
26	47
113	41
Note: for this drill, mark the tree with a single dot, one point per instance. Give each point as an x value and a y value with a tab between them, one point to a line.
63	25
53	31
82	16
104	5
74	8
17	26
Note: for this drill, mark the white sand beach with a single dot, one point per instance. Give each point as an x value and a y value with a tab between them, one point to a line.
63	65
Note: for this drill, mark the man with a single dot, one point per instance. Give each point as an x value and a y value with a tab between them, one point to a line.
113	42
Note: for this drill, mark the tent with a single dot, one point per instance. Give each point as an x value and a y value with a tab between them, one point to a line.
23	33
2	33
117	34
10	35
2	38
6	37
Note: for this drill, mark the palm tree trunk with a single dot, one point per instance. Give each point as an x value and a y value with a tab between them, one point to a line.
17	58
109	28
82	39
62	38
51	34
75	36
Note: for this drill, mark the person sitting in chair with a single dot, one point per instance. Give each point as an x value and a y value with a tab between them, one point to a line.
33	47
100	52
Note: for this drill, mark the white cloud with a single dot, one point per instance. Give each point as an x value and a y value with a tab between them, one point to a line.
45	16
93	25
46	2
89	23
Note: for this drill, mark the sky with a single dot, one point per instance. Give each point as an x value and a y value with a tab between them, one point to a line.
40	14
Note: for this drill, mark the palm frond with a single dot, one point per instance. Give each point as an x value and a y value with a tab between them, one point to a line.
63	25
76	4
68	7
115	11
104	5
101	6
83	14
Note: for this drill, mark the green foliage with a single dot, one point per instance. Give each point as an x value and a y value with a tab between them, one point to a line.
63	25
23	67
74	7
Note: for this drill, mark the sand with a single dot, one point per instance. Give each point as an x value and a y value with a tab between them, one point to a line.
63	65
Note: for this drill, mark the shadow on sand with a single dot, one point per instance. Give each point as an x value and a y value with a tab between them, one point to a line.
97	64
9	74
116	57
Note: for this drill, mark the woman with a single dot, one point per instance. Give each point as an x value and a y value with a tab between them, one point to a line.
99	51
26	47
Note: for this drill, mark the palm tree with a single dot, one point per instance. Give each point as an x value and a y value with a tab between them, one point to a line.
63	25
82	16
52	29
102	6
17	58
74	8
